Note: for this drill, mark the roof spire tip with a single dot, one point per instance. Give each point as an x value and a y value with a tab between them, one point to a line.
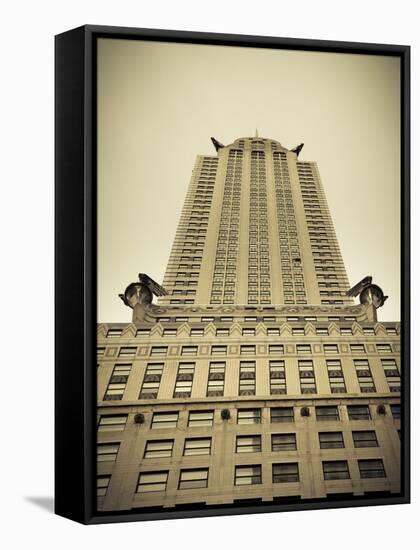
217	145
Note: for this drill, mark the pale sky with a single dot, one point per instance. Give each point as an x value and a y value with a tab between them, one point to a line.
158	105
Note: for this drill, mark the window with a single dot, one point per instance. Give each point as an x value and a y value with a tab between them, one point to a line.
371	468
383	348
357	348
143	332
107	452
169	332
222	332
307	376
216	380
271	331
218	350
330	348
197	332
200	418
102	483
286	472
396	411
152	482
189	350
335	469
327	413
114	333
277	377
249	416
117	383
165	420
184	380
248	332
112	423
358	412
127	352
197	446
193	479
248	444
160	351
365	438
364	375
151	381
283	442
161	448
269	319
275	349
247	350
247	378
392	374
331	440
100	352
281	414
335	376
303	349
248	475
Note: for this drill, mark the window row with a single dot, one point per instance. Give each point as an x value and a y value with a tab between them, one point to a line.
248	376
281	442
205	418
286	472
264	318
244	349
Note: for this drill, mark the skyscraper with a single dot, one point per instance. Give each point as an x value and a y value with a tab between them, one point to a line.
255	229
256	378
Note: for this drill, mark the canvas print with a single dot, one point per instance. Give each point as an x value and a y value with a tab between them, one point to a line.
248	337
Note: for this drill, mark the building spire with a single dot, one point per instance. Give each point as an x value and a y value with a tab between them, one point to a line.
217	145
256	132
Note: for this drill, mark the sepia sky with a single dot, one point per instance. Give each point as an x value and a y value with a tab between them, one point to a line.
158	105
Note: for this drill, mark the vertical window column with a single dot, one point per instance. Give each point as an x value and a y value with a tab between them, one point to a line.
216	380
364	375
247	378
392	374
184	380
151	381
336	376
307	376
117	382
277	378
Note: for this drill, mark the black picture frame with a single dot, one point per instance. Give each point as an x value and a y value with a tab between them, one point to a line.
75	267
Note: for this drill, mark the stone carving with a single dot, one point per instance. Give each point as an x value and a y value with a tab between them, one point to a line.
139	296
369	294
245	310
142	292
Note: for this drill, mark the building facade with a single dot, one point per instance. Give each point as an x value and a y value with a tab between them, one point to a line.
256	378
